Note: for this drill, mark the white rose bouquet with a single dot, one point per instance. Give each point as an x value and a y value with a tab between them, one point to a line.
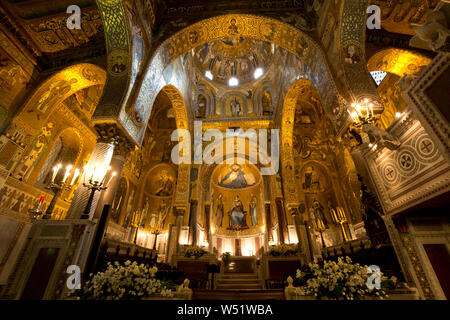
125	282
336	280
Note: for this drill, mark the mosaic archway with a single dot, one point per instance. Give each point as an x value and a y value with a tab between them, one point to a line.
267	29
287	151
209	190
181	198
55	90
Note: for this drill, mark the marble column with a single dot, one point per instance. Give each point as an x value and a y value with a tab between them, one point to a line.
179	214
282	223
101	155
208	220
106	199
302	235
268	213
168	243
193	223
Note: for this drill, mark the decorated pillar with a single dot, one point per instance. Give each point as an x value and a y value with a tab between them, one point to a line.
396	242
409	258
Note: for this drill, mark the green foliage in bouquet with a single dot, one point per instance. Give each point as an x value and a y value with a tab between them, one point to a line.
285	250
194	251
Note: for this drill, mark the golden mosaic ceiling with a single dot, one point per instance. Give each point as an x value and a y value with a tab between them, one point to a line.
233	56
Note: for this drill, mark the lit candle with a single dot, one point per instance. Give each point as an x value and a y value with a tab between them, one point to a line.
75	176
85	173
69	168
104	173
120	201
55	171
358	111
110	178
93	172
41	201
371	109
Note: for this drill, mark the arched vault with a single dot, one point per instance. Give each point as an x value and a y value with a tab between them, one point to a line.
267	29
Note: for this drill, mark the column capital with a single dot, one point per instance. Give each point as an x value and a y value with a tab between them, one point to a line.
123	148
112	133
292	209
179	211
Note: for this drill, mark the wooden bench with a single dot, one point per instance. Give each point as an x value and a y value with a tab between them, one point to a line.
196	271
278	269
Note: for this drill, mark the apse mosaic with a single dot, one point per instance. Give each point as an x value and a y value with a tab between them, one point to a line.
237	199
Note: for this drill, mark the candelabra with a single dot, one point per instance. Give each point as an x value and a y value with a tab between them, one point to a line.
36	212
340	218
95	183
58	187
321	228
155	232
136	223
364	121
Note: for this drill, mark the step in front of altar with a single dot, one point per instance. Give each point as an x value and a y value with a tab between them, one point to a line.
239	294
238	281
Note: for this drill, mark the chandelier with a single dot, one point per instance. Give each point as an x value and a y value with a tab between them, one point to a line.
362	114
364	122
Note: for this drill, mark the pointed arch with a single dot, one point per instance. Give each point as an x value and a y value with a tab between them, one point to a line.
181	196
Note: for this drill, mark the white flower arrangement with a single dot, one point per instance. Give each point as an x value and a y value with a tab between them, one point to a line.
128	282
194	251
283	250
336	280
